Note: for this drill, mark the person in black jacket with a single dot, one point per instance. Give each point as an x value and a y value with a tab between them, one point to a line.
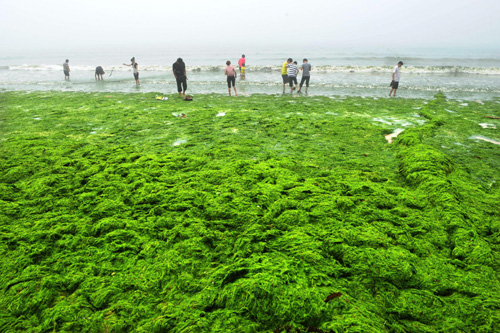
179	69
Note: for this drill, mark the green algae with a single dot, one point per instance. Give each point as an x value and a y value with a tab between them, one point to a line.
252	220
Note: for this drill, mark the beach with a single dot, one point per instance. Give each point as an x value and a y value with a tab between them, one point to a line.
259	213
461	74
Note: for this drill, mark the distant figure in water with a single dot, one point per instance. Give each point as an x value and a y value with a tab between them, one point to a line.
243	71
135	66
66	69
395	79
179	69
306	75
284	72
231	77
241	62
99	72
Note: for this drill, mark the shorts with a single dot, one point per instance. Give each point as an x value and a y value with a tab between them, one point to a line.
66	73
99	70
291	80
394	84
181	83
306	79
231	80
285	78
136	76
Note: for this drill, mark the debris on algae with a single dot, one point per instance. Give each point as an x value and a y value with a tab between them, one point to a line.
303	220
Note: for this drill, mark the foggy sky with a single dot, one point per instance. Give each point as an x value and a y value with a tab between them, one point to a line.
56	24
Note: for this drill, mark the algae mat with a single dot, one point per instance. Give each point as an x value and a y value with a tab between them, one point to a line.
248	214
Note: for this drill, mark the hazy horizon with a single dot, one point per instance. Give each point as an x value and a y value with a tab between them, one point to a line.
104	25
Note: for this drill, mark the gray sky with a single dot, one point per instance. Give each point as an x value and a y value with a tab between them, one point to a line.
47	24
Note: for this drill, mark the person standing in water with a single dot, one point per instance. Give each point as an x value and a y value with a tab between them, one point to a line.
99	72
395	79
243	71
231	77
293	69
135	66
306	75
66	69
179	69
241	62
284	72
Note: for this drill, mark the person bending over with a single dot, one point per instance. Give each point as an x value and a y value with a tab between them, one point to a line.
99	72
179	69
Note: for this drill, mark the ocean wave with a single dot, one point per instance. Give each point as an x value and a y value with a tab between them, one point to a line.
453	70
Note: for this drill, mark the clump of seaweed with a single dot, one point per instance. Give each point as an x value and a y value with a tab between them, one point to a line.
304	219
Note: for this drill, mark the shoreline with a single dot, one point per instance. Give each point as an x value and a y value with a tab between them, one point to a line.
493	99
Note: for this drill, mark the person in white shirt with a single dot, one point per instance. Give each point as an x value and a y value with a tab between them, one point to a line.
135	66
395	79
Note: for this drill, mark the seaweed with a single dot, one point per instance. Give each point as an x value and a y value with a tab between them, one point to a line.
288	214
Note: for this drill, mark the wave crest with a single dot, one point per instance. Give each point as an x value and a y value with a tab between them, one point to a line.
275	68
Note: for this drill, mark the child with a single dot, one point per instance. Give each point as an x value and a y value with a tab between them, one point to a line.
243	71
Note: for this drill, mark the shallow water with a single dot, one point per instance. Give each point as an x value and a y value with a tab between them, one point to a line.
460	74
480	137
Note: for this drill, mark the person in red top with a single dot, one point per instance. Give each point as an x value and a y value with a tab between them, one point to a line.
241	62
231	77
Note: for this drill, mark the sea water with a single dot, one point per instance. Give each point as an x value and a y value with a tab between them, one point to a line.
458	73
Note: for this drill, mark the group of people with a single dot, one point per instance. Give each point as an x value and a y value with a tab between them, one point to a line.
289	72
99	71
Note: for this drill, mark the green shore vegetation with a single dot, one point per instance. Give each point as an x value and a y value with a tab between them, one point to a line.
124	213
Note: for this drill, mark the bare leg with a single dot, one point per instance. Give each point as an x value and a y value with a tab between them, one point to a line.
229	90
235	92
